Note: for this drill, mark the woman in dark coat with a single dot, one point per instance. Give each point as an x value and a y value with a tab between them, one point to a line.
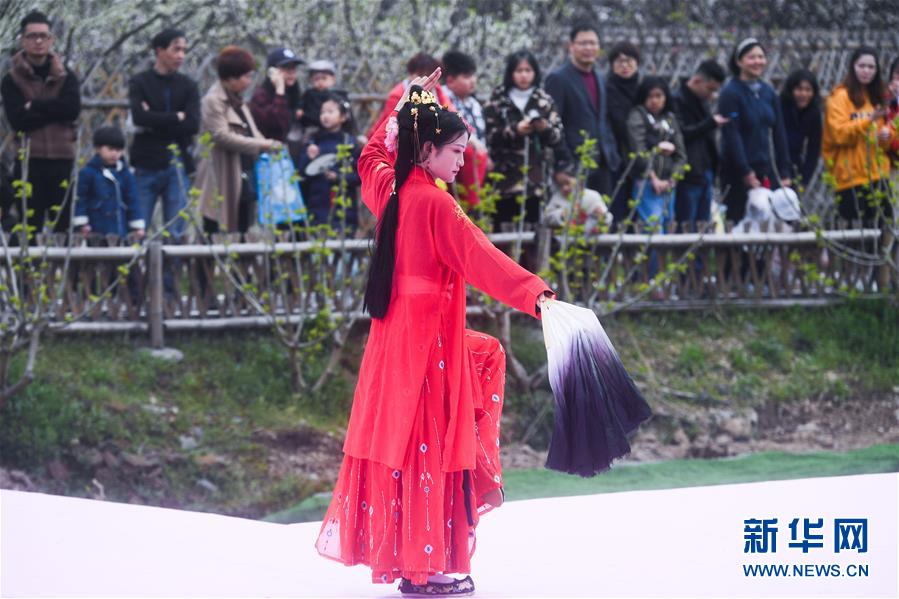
755	126
800	102
621	83
276	102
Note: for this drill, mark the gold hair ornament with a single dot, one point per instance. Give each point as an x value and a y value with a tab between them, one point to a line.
423	97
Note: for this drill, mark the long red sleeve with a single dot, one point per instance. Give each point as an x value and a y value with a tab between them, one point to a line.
376	171
462	246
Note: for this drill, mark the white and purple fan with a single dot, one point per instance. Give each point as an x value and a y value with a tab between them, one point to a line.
597	405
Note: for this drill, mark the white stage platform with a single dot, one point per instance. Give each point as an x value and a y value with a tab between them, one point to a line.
670	543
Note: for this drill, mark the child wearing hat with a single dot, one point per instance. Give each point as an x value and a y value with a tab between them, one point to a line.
322	79
107	193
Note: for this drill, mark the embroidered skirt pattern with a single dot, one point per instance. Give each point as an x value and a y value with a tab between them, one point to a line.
418	521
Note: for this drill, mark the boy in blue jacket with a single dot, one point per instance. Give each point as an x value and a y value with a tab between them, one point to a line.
107	193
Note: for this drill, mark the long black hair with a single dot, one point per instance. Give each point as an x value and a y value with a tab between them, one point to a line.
855	88
793	80
512	62
418	123
649	83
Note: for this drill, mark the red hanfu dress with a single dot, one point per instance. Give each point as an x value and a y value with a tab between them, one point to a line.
422	445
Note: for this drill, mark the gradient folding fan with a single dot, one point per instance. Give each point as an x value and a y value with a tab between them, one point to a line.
597	405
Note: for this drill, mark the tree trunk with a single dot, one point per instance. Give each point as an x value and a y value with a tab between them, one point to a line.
519	373
334	358
297	383
5	357
27	375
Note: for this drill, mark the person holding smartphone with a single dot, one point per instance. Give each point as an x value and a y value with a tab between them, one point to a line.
699	124
277	103
856	140
523	128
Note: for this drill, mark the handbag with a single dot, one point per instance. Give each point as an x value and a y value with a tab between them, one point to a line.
279	199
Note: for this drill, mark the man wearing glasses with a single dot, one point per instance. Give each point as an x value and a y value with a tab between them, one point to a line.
42	101
579	92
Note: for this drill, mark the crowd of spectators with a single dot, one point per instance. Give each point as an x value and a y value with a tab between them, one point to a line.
659	156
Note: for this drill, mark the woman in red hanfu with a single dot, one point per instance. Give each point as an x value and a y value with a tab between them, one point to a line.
421	457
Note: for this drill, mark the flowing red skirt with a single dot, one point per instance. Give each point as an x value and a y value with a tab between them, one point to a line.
419	521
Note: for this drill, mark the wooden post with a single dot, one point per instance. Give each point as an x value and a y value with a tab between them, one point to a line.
156	293
885	247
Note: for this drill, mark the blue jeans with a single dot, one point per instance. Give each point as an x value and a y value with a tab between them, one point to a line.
172	185
654	209
693	202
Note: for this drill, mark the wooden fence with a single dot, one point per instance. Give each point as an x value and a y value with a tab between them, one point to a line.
203	286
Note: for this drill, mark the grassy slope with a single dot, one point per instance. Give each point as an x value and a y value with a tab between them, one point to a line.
530	484
750	355
103	393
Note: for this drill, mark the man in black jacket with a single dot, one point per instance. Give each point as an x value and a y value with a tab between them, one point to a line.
165	108
693	199
42	101
579	94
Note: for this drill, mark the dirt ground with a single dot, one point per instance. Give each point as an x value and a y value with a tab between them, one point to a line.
677	430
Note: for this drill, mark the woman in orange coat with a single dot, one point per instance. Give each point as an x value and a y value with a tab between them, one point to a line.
422	448
856	141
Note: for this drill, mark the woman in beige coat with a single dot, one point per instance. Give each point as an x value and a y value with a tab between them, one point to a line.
224	177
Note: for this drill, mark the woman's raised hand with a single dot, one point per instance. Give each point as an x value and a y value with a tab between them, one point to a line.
277	78
426	83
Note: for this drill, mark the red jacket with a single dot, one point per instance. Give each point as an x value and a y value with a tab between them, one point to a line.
438	251
393	99
892	117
